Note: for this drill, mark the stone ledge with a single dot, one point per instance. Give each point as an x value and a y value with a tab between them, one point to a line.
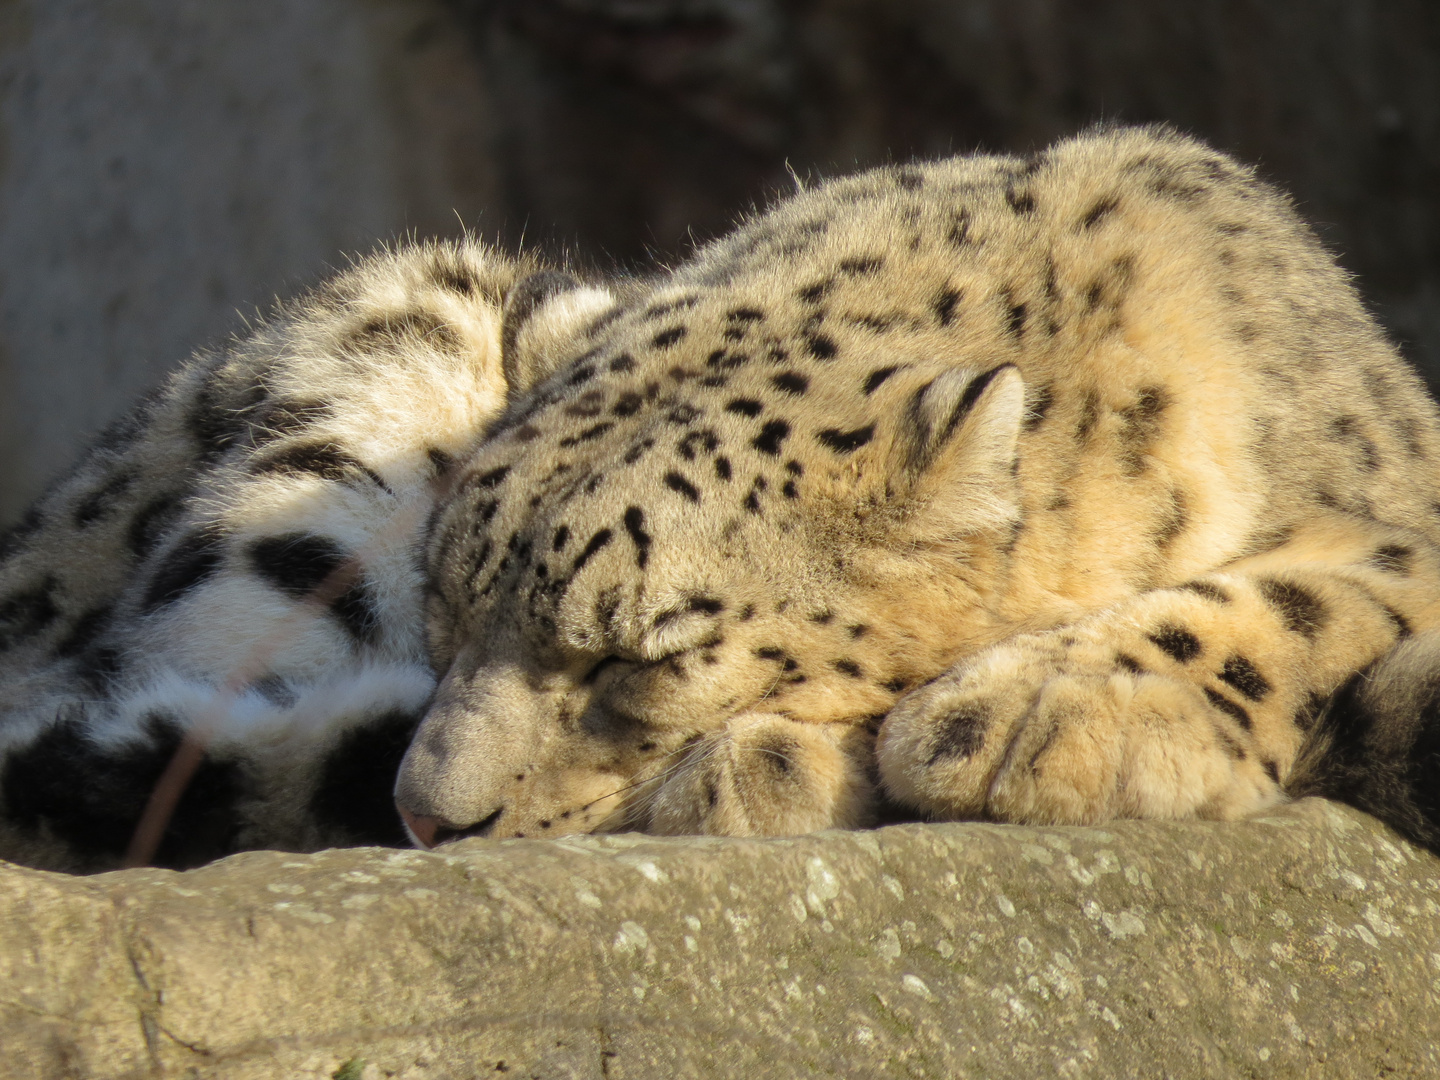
1307	941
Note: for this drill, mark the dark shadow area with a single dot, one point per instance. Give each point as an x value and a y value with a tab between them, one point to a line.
634	128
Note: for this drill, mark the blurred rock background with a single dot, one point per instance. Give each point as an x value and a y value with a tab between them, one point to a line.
169	166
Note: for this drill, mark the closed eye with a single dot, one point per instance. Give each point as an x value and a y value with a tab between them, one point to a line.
609	661
613	724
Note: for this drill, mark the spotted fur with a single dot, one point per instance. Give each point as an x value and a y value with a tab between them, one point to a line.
235	564
1048	490
1051	490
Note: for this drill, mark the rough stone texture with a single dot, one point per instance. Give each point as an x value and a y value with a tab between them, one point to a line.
1301	944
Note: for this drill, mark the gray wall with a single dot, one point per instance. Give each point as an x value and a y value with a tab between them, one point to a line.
166	166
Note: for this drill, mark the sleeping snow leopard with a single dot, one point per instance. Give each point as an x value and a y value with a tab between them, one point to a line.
236	562
1044	490
1037	490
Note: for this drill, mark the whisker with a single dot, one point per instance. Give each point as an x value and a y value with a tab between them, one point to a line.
701	752
661	775
773	685
772	753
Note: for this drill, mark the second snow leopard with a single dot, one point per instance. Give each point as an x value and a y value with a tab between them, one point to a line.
222	603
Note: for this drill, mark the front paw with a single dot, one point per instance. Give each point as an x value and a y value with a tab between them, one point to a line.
1035	731
941	747
763	775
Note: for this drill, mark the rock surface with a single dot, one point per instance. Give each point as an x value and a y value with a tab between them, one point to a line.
1299	944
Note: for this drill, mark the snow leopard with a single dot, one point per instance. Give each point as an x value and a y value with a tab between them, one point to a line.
211	631
1047	489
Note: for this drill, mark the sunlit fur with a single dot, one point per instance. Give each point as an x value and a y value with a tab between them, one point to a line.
1084	479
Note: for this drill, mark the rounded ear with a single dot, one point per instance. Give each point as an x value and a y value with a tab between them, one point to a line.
983	412
945	476
958	451
543	311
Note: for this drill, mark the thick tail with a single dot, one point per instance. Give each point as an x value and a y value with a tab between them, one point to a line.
1376	746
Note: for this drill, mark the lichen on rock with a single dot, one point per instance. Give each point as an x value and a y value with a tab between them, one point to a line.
1308	939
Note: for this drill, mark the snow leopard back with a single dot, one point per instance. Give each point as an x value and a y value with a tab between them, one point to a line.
216	615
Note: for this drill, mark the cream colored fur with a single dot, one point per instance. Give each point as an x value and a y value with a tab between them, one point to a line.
1084	481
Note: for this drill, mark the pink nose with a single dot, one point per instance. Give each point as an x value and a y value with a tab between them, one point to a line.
422	828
